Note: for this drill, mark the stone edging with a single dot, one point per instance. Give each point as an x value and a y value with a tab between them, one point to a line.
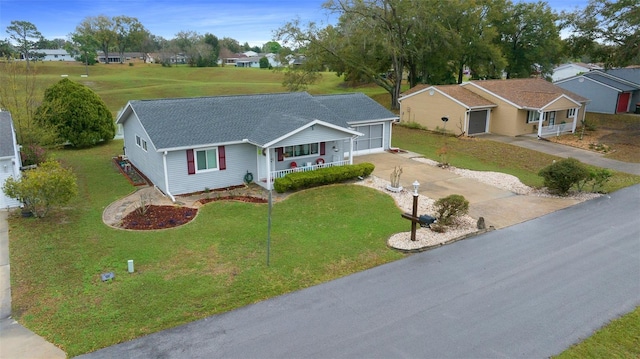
426	248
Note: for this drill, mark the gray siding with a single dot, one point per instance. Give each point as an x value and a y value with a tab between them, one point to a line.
148	162
6	172
603	99
240	158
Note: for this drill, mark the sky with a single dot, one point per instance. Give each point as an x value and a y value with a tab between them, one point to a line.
251	21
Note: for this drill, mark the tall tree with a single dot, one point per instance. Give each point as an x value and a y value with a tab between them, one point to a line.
230	44
607	31
83	46
129	34
25	35
530	38
102	30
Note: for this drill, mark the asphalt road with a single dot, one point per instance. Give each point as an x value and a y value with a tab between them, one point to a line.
529	290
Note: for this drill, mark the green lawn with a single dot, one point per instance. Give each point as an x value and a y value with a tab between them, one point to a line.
619	339
211	265
217	262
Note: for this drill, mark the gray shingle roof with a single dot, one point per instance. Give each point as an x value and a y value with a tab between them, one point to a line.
355	107
6	135
629	74
610	82
185	122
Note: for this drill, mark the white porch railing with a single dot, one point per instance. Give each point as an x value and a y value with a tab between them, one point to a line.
282	173
555	130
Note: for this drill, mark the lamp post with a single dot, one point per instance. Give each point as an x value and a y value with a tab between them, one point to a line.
414	213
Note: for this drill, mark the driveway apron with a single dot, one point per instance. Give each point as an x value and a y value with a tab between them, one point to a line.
500	208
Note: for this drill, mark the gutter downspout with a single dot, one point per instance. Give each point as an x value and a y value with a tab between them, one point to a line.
166	176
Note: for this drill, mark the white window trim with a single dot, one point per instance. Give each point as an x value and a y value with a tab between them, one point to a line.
141	143
195	155
533	118
571	112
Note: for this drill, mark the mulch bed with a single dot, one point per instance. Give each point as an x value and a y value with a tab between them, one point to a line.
163	217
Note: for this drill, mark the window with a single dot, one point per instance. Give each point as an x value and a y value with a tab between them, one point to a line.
141	143
533	116
550	117
571	112
302	150
207	159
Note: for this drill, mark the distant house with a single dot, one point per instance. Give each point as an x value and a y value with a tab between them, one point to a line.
185	145
50	55
114	57
611	91
10	162
572	69
508	107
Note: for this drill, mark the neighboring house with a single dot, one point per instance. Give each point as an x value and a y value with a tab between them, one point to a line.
114	57
49	55
9	157
254	61
612	91
572	69
189	144
508	107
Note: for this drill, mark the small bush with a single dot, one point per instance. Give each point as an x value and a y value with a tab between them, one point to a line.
33	155
560	176
299	180
451	207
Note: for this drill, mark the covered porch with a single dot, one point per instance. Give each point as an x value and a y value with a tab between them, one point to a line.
318	145
558	117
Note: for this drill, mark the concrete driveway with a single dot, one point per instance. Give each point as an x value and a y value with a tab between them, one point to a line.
500	208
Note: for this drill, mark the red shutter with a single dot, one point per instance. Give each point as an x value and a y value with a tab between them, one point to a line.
222	159
322	151
191	164
280	153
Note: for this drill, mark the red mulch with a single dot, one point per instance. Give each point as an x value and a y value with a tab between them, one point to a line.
162	217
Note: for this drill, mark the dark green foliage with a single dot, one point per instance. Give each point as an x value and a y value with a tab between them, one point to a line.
79	116
597	178
299	180
264	63
451	207
560	176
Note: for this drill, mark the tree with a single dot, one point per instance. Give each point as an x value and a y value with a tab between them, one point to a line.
99	30
530	39
271	47
607	31
83	47
6	50
230	44
49	185
25	35
80	117
129	34
264	63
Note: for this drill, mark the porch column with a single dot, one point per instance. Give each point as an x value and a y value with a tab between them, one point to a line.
575	120
350	150
268	158
540	121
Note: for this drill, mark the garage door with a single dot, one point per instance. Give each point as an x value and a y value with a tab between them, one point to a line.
372	141
477	122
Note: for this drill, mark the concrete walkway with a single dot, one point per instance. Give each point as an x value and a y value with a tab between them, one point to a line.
15	340
589	157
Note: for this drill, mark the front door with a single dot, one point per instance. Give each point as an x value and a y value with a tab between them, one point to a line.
623	102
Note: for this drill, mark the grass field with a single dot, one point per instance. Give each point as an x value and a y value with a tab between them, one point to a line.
217	262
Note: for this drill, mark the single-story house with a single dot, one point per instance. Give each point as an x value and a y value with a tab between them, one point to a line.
572	69
507	107
186	145
10	162
50	55
611	91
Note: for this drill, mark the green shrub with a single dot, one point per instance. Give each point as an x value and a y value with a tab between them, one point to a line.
47	186
597	178
451	207
322	176
33	155
561	175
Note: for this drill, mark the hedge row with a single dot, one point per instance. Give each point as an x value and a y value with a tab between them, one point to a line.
327	175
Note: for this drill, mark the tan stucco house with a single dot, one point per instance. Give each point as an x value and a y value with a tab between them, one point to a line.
507	107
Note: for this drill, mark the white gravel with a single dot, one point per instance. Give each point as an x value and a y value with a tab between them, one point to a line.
466	224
